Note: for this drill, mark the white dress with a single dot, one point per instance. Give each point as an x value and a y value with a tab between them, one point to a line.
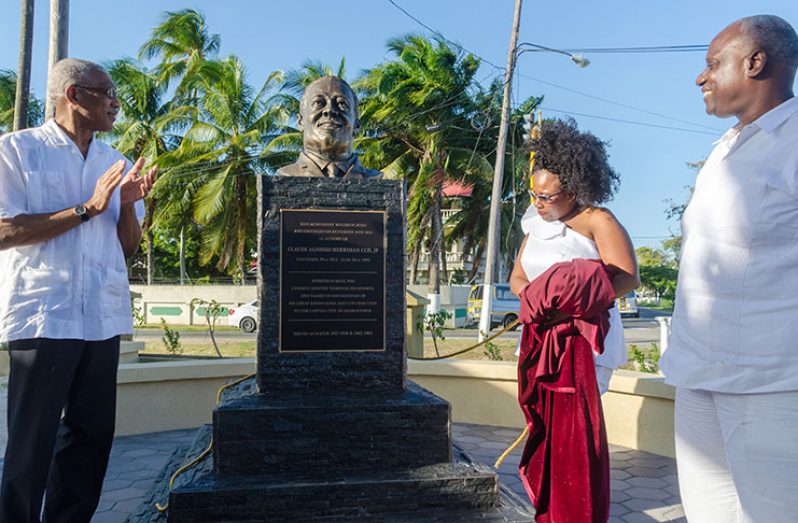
552	242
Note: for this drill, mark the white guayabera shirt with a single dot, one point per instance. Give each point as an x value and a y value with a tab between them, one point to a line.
735	321
74	285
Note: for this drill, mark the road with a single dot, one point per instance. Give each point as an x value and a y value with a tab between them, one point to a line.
642	330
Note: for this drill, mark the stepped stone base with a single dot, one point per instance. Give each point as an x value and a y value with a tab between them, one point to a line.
459	492
303	436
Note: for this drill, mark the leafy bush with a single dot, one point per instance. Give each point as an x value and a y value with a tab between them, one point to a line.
646	361
171	339
433	323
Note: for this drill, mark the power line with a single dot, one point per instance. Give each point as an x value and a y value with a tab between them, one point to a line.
631	122
620	50
440	35
669	48
619	104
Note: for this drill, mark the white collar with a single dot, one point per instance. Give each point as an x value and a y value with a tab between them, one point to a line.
768	122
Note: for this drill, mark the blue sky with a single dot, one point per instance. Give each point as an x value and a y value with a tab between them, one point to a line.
269	35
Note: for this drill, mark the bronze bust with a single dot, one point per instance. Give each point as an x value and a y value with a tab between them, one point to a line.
328	117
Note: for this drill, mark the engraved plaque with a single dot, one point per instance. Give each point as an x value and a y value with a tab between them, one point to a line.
332	280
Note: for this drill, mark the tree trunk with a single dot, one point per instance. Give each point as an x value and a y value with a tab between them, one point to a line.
435	243
476	263
149	206
241	200
59	42
415	258
182	255
22	95
444	252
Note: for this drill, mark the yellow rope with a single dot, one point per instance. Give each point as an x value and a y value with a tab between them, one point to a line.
511	448
204	453
472	347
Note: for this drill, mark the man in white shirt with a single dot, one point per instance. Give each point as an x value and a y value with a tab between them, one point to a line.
69	216
733	351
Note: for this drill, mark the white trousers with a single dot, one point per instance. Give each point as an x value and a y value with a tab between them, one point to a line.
737	456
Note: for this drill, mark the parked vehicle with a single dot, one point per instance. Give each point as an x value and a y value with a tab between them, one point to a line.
505	305
627	305
244	316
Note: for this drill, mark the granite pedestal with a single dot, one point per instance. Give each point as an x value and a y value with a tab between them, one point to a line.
328	431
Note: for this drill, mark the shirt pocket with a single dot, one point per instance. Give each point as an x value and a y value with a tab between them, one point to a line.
115	294
50	191
46	289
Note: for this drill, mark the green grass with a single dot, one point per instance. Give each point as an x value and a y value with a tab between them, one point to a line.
186	328
246	349
665	305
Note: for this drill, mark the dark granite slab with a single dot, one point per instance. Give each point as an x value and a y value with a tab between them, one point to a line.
330	371
299	434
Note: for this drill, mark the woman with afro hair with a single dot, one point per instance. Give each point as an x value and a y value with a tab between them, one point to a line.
569	350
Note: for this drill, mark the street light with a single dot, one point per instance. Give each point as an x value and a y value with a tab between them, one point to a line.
576	58
495	199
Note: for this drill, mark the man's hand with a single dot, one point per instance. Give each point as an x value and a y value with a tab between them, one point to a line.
135	187
104	188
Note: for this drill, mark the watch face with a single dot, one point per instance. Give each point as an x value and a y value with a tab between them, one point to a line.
80	210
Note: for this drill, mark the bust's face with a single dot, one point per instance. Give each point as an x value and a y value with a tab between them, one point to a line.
328	119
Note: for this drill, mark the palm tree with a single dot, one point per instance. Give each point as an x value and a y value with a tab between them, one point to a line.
471	223
222	153
146	128
8	91
183	44
417	112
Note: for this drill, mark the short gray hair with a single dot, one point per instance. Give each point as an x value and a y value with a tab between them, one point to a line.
776	36
66	72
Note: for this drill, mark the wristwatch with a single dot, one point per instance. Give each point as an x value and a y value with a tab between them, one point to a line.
80	210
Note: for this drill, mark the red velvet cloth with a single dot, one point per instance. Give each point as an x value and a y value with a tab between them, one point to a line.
565	463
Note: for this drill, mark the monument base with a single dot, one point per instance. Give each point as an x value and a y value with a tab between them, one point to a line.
385	458
461	492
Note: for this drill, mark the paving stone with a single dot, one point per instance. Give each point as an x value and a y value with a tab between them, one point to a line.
124	494
637	517
617	510
619	474
642	505
646	472
619	484
675	512
619	496
647	482
507	433
471	439
110	517
134	453
621	456
116	484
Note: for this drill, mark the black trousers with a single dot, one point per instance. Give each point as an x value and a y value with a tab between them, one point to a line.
61	411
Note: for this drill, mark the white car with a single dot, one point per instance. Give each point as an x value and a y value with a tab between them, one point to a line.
244	316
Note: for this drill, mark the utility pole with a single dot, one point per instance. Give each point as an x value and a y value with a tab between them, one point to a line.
59	43
22	95
494	223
